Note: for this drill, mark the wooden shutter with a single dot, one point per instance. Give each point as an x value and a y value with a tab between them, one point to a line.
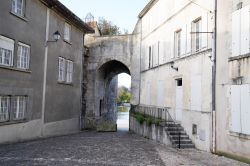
183	40
204	28
245	109
196	93
244	31
189	38
235	108
236	33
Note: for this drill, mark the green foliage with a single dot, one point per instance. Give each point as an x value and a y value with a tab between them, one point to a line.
107	27
124	96
141	118
149	120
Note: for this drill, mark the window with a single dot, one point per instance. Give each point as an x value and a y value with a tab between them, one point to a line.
196	38
240	31
179	82
150	57
6	51
23	56
18	7
19	108
4	108
69	71
178	43
61	73
67	29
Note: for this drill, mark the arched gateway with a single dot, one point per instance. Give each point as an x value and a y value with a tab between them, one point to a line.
106	58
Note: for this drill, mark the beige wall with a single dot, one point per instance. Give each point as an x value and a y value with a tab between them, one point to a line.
158	84
228	141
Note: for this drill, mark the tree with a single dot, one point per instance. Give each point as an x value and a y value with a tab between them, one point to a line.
124	95
107	27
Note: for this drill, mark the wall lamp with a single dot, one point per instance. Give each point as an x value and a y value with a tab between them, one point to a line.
172	66
56	37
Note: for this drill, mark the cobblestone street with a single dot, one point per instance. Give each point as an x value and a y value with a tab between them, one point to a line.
115	149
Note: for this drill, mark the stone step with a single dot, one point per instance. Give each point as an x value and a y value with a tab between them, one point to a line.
176	137
174	129
186	141
176	133
184	146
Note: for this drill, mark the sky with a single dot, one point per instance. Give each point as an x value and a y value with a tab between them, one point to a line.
122	13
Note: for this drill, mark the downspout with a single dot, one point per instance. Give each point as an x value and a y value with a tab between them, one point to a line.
214	80
45	69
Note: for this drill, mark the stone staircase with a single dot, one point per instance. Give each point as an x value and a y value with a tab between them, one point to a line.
178	136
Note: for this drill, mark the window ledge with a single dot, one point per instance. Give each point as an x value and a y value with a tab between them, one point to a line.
66	41
19	16
14	69
239	57
13	122
239	135
64	83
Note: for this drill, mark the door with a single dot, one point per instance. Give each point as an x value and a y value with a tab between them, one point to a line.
178	100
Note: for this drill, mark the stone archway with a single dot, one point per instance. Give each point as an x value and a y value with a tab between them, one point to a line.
105	94
107	57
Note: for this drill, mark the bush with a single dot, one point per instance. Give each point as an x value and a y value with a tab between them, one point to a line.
149	120
157	121
139	118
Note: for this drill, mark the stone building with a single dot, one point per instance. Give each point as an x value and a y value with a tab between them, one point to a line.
233	79
176	69
40	76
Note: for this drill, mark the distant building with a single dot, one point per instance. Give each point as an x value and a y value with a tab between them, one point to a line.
40	85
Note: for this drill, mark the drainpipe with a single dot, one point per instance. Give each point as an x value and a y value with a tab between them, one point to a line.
214	80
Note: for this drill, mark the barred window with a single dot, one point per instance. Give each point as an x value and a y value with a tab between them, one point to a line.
23	56
4	108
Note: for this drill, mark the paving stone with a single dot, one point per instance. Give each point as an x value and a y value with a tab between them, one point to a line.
103	149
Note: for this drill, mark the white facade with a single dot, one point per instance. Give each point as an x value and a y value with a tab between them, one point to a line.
167	41
233	79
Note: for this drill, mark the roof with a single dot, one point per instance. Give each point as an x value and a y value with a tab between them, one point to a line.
147	8
68	15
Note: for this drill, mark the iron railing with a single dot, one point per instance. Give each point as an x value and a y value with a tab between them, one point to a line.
161	113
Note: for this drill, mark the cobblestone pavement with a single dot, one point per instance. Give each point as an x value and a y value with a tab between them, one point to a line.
103	149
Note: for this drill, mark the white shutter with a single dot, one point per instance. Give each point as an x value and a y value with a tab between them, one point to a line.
172	45
167	50
156	54
204	28
196	93
245	109
160	93
183	40
161	52
236	33
189	27
235	108
244	35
